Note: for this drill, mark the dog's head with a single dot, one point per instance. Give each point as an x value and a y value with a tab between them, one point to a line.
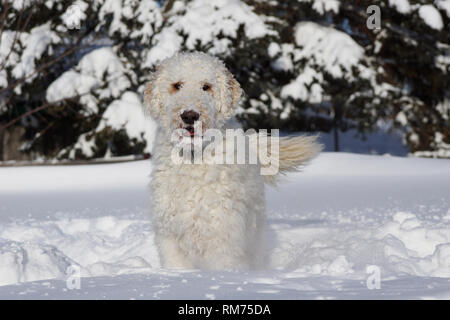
191	88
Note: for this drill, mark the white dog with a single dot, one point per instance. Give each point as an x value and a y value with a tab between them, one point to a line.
209	216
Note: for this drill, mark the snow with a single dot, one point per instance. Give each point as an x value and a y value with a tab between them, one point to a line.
284	61
443	61
85	144
431	16
128	114
150	17
327	47
401	6
71	84
145	12
273	49
3	80
168	43
75	14
97	68
333	49
203	22
305	87
444	109
20	4
36	43
8	56
6	44
441	148
101	62
444	5
323	6
326	226
116	9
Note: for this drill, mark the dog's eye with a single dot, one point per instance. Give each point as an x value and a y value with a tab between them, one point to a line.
176	86
206	87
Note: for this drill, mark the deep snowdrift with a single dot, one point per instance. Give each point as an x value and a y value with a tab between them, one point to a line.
326	225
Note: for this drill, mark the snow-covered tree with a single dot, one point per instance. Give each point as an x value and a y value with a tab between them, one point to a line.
76	63
343	74
72	73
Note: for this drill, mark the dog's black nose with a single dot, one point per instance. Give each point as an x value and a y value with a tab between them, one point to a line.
189	117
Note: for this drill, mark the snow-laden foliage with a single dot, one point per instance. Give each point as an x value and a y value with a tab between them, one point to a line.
74	59
68	68
99	72
323	50
206	23
329	70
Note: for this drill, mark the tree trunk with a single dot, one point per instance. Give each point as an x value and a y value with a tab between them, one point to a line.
1	143
10	143
336	138
338	110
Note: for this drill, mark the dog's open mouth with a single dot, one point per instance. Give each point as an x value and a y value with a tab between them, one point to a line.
190	130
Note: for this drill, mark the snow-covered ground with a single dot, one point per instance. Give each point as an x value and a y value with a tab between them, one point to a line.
325	227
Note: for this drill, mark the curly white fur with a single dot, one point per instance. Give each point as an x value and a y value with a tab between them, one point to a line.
207	216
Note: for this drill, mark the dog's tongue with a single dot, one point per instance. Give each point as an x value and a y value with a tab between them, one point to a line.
191	131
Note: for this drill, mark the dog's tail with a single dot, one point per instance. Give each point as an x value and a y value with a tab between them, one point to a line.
294	153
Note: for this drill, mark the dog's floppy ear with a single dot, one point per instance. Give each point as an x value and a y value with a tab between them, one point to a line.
230	93
152	97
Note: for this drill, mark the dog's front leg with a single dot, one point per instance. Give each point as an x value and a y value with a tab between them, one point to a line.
170	253
224	255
